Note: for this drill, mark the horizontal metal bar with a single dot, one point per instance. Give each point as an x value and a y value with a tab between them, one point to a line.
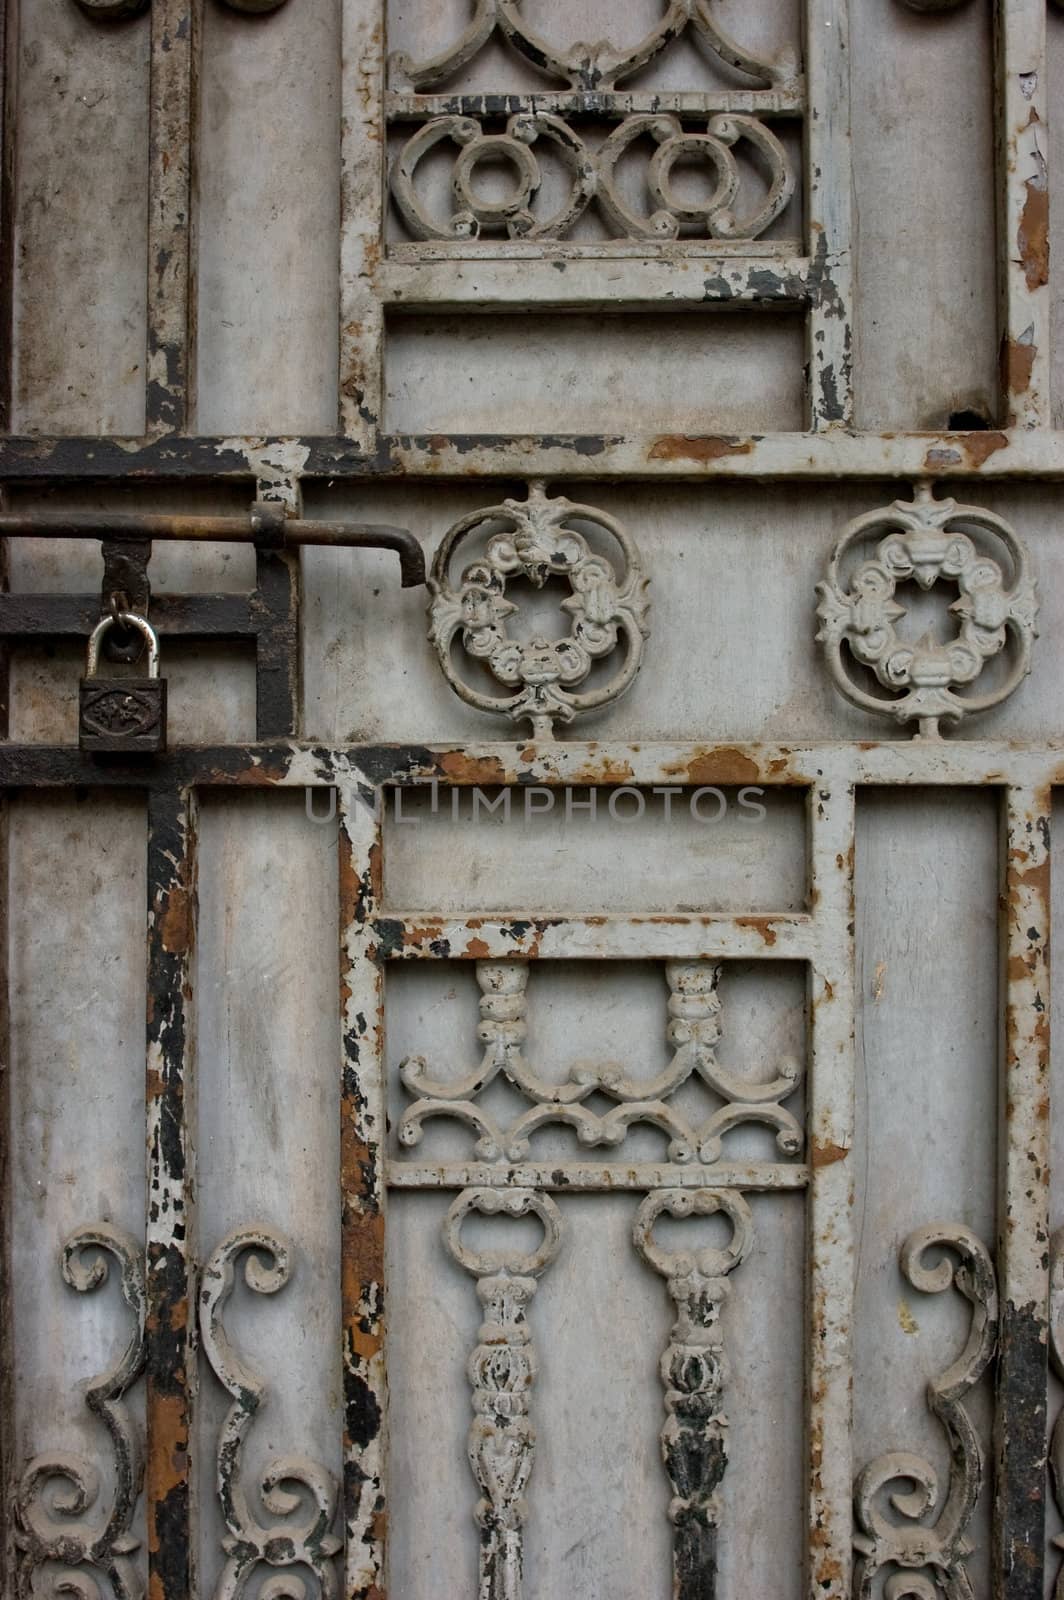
410	107
265	526
664	936
834	454
595	283
300	764
189	616
633	251
595	1177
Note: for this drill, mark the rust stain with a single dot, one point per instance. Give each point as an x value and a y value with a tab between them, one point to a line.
604	771
763	926
1017	364
708	447
167	1464
175	924
825	1154
363	1267
256	775
478	949
978	447
1032	236
472	769
723	764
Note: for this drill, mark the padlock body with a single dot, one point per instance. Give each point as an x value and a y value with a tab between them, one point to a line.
122	716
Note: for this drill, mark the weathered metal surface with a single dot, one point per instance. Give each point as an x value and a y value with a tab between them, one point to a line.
1022	93
170	1224
363	1192
991	454
171	131
1023	1223
733	572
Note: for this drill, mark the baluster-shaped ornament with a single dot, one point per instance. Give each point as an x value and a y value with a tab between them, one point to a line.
694	1371
501	1370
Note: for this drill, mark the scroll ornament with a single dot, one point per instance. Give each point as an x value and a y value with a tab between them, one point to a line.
598	65
83	1545
299	1495
928	542
591	178
538	540
692	1030
931	1556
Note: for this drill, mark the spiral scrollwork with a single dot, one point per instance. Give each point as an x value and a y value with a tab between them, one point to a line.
591	175
299	1495
84	1546
601	64
928	1559
692	1030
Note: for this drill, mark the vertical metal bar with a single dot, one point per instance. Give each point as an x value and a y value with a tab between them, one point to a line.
362	1197
1023	1213
363	161
829	1221
171	308
8	106
277	614
830	213
170	1239
7	1352
1022	140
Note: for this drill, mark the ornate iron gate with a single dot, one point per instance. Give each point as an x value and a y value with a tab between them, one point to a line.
710	1026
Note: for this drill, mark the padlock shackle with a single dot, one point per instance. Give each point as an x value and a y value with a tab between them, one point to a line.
128	619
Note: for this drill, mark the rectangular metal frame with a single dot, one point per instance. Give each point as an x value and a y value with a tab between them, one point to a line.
371	935
504	277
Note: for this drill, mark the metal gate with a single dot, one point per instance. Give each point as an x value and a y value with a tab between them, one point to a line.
596	1081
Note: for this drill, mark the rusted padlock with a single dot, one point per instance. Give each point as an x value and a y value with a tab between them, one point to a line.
123	716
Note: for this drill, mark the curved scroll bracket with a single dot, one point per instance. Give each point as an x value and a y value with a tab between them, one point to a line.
299	1495
66	1531
899	1485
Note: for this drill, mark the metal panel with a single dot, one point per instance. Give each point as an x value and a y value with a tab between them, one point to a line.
626	1090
